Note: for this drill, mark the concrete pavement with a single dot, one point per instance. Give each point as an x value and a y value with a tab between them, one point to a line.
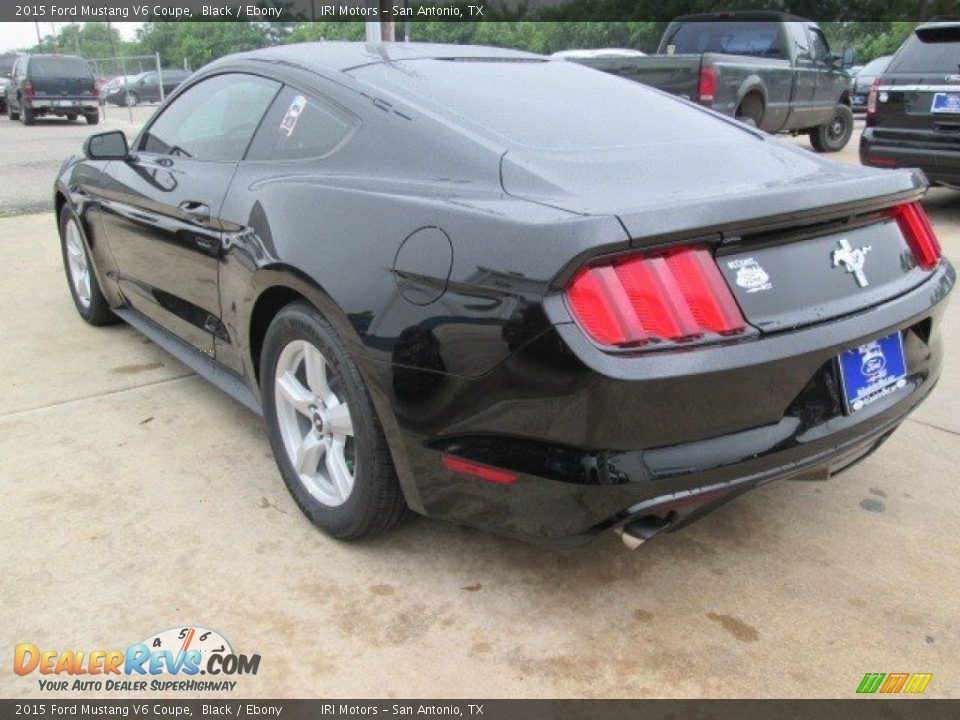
136	497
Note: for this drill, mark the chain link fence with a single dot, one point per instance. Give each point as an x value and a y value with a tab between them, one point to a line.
126	82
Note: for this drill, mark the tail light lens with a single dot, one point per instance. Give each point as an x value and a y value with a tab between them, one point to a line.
708	85
96	89
918	231
872	98
678	295
28	89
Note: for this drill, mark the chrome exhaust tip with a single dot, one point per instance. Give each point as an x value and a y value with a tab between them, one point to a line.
636	532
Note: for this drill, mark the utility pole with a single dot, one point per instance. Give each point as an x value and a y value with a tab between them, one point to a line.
39	41
113	50
382	30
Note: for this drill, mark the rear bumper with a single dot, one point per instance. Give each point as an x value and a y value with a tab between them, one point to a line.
78	105
597	441
940	161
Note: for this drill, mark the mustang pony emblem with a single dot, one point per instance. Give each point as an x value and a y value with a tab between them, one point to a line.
852	260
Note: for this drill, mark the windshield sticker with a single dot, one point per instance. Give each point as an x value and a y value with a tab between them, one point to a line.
289	122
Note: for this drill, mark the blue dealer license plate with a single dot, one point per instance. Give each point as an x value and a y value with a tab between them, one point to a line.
946	102
873	370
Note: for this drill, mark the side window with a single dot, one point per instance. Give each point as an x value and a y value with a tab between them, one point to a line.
799	34
213	120
298	126
818	46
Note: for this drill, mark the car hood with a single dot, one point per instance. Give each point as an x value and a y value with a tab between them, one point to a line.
660	187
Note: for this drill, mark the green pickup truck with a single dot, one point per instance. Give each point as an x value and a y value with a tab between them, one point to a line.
771	70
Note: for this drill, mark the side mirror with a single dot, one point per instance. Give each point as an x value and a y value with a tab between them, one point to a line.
107	146
849	57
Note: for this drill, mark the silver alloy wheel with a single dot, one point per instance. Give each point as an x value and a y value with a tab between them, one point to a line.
315	423
78	263
129	99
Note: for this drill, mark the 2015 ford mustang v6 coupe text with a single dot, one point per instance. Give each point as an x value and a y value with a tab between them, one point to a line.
514	293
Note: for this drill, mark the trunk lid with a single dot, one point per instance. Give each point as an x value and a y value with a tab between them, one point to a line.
806	279
780	213
666	181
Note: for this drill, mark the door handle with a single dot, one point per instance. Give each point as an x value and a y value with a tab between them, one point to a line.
196	211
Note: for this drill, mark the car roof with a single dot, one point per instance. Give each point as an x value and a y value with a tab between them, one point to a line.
342	56
741	15
53	56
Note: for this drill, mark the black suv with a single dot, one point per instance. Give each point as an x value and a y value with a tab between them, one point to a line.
60	85
913	113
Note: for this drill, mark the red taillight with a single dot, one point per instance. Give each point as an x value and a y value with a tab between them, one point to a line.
96	90
28	89
872	98
484	472
675	295
708	85
918	231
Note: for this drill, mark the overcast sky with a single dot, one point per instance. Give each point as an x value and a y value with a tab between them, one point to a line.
24	34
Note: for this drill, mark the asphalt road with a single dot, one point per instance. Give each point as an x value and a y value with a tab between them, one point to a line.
136	497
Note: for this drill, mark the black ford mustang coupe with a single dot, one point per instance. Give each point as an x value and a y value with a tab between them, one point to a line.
510	292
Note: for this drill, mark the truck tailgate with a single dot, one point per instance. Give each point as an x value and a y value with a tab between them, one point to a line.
675	74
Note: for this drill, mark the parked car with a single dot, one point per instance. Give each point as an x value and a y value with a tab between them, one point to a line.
507	291
61	85
770	70
145	87
113	84
913	113
6	67
861	84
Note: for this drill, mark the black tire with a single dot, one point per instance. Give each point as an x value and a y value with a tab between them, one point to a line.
14	115
71	116
92	118
375	502
97	312
834	135
26	115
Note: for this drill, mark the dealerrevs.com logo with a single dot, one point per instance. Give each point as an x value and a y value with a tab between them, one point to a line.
170	660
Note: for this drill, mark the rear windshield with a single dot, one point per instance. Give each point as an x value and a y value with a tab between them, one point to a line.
929	50
59	67
875	67
556	104
6	64
760	39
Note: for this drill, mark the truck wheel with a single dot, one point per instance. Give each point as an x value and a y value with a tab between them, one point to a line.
71	116
750	110
13	114
92	118
835	134
26	115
